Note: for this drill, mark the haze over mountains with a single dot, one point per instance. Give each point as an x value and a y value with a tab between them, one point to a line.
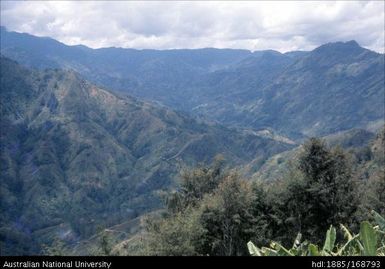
290	93
93	139
73	154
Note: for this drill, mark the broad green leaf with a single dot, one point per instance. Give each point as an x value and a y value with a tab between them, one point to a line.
313	250
253	250
369	238
379	220
349	243
269	252
330	239
360	246
281	250
347	233
297	241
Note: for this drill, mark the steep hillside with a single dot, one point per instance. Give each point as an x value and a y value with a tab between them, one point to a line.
365	149
158	75
228	89
75	156
336	87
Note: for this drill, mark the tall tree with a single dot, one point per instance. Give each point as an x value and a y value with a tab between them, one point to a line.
324	192
226	218
195	183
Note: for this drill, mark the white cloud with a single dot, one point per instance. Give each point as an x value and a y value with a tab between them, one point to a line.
259	25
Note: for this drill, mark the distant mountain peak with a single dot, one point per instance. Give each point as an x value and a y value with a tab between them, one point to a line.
352	43
348	45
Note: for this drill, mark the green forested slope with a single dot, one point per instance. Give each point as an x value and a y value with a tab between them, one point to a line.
335	87
75	156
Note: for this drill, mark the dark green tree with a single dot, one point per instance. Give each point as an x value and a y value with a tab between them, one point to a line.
226	218
195	183
179	231
324	193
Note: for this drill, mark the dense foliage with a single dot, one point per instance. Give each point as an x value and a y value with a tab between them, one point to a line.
216	212
369	242
75	156
205	216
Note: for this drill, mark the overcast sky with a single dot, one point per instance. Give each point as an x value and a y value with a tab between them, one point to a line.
282	26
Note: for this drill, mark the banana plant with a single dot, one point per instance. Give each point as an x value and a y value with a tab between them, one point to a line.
369	242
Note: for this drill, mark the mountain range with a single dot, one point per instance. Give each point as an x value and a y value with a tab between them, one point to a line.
73	153
90	138
335	87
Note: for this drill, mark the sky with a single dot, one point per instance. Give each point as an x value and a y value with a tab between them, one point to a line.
283	26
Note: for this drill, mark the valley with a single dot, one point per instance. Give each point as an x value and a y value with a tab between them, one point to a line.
335	87
76	153
93	140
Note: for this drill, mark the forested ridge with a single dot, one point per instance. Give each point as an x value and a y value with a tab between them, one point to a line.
218	152
327	192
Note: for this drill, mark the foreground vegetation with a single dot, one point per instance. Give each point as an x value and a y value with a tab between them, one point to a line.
75	157
216	212
369	242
